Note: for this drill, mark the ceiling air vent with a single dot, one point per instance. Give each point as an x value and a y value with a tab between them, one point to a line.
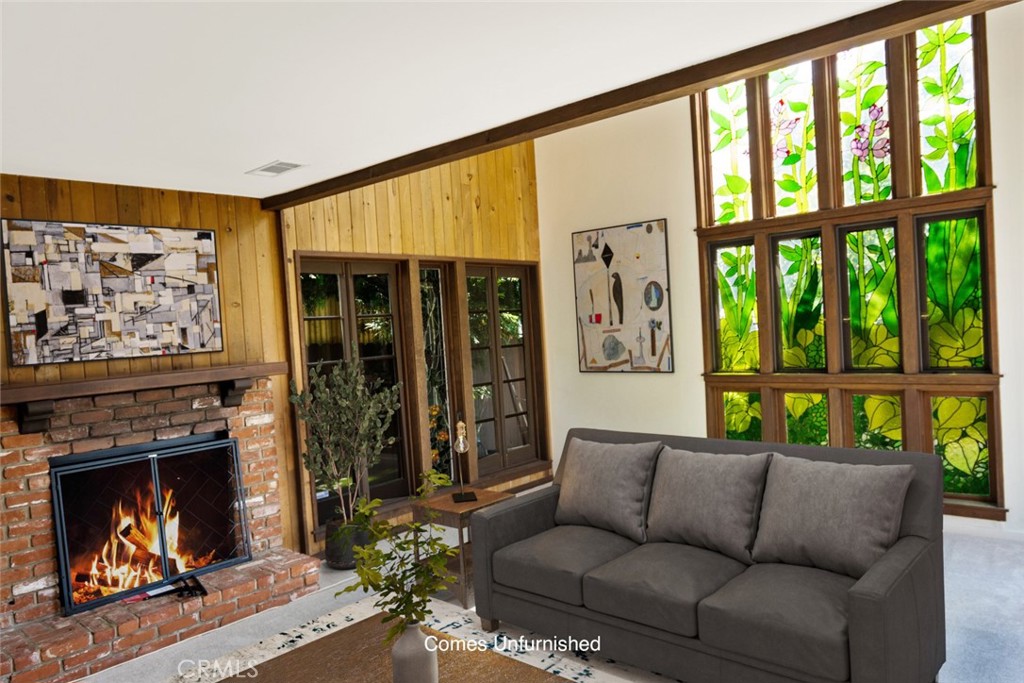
273	169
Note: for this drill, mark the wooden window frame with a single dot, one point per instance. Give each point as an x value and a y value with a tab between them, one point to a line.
905	211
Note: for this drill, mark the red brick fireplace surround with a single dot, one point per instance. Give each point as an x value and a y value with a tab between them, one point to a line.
37	643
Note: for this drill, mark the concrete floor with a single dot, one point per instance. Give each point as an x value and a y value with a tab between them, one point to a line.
984	618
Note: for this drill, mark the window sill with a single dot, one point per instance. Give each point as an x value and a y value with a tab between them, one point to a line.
975	509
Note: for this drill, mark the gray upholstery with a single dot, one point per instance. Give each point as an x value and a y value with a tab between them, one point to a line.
922	510
553	562
830	515
897	618
659	584
895	611
502	525
795	616
709	500
608	486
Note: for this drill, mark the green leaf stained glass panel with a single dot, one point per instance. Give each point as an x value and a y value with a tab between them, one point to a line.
864	123
954	297
801	302
791	104
742	415
946	106
736	289
873	307
960	435
807	418
730	152
878	421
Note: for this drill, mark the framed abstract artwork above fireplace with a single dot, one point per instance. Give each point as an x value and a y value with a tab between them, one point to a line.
79	292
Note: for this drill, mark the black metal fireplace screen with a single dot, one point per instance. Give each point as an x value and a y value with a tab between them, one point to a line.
131	520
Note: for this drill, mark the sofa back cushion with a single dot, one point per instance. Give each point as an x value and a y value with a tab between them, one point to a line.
828	515
607	486
708	500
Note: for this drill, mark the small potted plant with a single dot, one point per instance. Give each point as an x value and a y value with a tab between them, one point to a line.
404	565
346	417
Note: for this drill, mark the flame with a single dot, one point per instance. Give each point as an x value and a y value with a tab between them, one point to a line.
131	555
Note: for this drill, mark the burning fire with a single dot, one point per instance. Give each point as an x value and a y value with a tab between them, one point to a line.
131	555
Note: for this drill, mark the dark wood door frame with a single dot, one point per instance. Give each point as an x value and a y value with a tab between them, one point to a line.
884	22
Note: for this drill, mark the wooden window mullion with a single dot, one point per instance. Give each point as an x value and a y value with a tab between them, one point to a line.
906	171
826	137
908	283
766	323
831	272
982	128
702	160
761	173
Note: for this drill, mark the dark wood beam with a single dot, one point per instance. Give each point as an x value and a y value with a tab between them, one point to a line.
884	22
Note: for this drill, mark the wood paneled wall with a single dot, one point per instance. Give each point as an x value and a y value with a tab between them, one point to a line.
482	207
249	272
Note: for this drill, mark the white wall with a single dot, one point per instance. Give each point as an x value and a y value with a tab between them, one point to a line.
640	166
629	168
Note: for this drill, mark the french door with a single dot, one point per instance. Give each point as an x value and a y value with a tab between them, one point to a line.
357	302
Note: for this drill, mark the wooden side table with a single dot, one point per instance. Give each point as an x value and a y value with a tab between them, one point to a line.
448	513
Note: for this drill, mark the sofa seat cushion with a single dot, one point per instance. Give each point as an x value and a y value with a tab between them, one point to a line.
553	562
788	615
659	585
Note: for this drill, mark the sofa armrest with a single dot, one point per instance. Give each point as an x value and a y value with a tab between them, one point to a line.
503	524
897	615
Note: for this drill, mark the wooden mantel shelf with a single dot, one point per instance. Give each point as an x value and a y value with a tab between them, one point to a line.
235	375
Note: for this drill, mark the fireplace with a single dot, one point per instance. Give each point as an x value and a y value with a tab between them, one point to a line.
130	520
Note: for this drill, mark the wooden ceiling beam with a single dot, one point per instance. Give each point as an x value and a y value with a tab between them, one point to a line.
877	24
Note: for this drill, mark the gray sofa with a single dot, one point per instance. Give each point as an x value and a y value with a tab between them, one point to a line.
732	572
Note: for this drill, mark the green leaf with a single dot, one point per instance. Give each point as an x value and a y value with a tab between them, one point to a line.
926	55
931	36
787	201
737	184
931	88
872	95
720	119
723	142
789	185
936	141
958	38
798	106
847	118
791	159
963	124
952	29
933	120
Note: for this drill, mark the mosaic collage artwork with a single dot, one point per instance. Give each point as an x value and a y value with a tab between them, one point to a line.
78	292
622	307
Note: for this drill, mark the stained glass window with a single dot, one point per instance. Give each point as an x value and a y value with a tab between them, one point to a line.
791	106
736	279
742	415
946	106
864	123
878	421
953	293
960	433
807	418
801	300
872	309
730	152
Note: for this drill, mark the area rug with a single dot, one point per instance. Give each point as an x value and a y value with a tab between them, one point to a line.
446	619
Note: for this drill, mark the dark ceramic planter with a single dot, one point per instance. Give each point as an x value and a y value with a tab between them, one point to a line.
340	541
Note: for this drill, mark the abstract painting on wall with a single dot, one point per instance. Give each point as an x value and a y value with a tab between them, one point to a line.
78	292
622	302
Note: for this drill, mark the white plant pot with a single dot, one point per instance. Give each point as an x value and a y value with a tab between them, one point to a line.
411	661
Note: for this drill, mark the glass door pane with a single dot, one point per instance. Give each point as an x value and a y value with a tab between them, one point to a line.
374	310
434	351
479	287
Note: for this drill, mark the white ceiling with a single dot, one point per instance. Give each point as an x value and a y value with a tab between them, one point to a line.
190	96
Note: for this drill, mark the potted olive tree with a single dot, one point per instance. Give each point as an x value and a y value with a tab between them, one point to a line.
346	417
404	565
